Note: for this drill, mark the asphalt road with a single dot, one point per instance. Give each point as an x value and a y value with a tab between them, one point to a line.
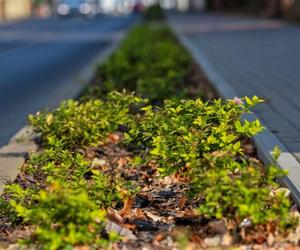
41	60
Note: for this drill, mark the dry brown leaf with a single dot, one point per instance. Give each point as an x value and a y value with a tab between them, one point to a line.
220	153
82	248
190	212
158	238
114	216
128	203
122	162
129	226
197	239
152	216
182	202
114	138
139	214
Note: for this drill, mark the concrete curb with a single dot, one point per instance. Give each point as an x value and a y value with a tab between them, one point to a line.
265	141
14	155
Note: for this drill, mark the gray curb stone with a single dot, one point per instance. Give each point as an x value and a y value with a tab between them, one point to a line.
265	141
14	155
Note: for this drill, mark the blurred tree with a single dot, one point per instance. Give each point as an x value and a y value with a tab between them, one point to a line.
272	8
2	13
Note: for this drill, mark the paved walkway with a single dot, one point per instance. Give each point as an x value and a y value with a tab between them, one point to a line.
256	57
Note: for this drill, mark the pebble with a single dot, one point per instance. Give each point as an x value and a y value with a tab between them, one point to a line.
280	190
122	231
213	241
270	240
226	240
218	227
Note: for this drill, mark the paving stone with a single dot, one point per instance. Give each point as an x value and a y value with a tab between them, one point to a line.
25	134
18	149
12	157
9	169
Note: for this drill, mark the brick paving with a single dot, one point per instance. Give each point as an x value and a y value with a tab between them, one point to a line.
256	57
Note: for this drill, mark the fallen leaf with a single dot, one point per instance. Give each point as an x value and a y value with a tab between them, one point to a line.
114	138
114	216
182	202
128	203
196	239
158	238
122	162
139	214
129	226
152	216
82	248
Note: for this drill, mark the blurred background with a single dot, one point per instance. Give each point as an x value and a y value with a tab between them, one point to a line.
19	9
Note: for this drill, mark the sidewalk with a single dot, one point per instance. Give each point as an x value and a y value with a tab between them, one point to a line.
254	57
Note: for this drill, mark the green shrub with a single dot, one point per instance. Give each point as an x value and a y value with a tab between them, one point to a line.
239	189
154	13
202	140
66	202
77	125
59	165
149	62
181	132
64	218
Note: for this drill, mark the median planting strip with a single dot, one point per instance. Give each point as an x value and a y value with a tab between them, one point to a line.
156	169
265	141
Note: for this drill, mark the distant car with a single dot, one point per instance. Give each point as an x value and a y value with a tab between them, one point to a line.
77	7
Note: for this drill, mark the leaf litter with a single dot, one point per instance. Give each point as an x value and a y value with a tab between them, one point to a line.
160	215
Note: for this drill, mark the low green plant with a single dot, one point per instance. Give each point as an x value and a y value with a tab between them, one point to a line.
181	132
58	164
73	171
154	13
78	125
202	140
67	203
64	218
18	195
149	62
239	189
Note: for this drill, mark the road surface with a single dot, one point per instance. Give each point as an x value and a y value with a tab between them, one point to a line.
41	60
